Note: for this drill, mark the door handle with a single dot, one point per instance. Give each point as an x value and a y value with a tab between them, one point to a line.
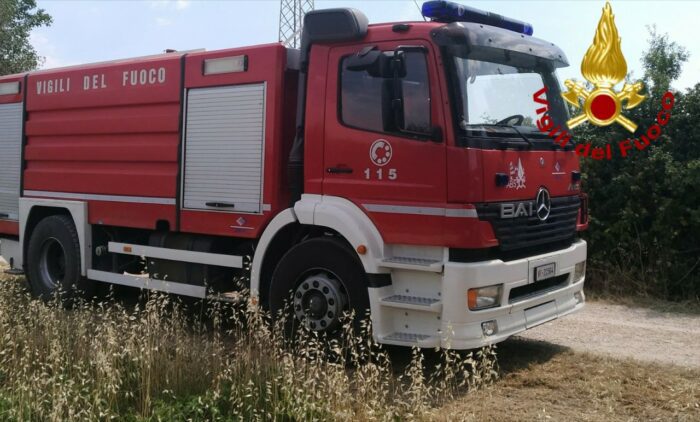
3	215
339	170
220	204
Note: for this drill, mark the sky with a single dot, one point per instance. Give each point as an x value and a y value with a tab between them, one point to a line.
87	31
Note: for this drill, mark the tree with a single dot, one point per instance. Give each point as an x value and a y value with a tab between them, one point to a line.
17	19
645	209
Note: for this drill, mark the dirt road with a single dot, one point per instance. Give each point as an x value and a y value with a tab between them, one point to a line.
623	332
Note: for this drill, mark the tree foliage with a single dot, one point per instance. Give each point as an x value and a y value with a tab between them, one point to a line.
17	19
644	235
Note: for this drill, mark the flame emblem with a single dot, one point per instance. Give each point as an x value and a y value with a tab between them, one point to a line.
604	66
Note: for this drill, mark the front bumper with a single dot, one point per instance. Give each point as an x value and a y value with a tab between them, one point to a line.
462	328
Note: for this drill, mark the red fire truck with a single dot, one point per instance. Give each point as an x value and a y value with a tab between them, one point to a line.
394	169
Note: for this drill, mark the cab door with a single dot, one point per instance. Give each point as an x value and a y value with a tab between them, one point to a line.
392	165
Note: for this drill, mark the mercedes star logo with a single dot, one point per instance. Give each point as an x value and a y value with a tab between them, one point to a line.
543	203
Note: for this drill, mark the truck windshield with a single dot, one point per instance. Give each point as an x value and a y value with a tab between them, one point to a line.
495	97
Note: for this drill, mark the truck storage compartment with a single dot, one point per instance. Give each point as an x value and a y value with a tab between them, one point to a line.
224	148
10	163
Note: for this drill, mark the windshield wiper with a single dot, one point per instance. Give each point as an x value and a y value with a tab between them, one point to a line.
513	128
525	138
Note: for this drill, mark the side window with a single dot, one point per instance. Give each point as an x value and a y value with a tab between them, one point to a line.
369	101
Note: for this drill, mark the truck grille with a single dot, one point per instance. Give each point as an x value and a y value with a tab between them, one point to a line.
529	232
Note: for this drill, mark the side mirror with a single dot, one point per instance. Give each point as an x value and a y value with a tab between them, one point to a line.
398	64
372	61
364	59
389	64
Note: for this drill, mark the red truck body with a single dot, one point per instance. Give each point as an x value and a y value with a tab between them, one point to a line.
150	146
114	129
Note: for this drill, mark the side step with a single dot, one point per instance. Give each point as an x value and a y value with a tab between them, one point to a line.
183	289
144	282
413	302
411	339
417	264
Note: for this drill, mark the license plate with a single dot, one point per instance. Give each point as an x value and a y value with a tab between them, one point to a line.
544	272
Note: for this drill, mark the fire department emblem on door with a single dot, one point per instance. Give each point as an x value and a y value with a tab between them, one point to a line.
380	152
517	176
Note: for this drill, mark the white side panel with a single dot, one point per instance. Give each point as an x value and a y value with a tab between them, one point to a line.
282	219
347	219
224	139
10	157
11	252
221	260
148	283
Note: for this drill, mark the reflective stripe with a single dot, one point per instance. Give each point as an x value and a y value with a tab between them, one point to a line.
435	211
107	198
461	212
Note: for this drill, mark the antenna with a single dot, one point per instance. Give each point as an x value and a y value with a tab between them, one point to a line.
292	19
419	9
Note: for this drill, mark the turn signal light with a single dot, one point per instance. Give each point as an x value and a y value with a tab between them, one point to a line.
484	297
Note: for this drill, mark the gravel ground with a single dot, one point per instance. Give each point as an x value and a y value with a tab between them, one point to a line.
623	332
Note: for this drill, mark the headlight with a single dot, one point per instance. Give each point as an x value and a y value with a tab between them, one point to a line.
579	271
484	297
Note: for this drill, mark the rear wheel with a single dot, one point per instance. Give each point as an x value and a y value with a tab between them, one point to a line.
53	258
317	282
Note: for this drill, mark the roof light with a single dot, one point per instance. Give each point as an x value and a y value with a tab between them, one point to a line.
228	64
447	11
7	88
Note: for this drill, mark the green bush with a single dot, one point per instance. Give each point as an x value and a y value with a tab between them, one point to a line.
644	236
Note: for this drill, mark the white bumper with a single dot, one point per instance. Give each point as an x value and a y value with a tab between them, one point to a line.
462	329
426	303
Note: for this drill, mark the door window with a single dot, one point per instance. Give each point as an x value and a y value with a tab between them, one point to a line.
385	103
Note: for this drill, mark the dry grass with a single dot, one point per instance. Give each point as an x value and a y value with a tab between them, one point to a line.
156	359
161	359
541	381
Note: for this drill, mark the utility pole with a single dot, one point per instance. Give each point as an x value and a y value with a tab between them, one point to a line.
291	20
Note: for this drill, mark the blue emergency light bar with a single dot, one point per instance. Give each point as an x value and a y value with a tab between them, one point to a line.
447	11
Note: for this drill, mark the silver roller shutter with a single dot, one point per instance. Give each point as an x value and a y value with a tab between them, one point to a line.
224	139
10	159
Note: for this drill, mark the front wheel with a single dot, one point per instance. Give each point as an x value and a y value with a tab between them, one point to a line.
53	259
317	282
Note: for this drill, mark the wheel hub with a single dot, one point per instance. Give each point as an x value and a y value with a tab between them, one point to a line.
52	262
319	302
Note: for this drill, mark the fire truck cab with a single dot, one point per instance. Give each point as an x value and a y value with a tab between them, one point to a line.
391	169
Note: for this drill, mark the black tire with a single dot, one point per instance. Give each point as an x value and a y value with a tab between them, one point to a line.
53	260
333	264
